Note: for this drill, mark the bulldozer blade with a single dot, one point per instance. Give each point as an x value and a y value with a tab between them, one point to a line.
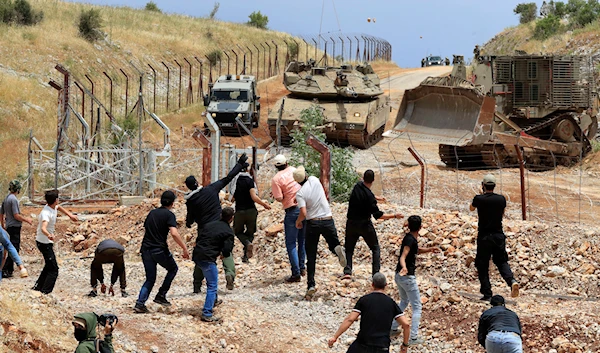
448	115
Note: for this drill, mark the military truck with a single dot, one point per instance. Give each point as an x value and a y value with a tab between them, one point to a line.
231	97
351	98
541	106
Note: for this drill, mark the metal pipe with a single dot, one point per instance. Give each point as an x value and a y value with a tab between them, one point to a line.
264	61
420	161
325	152
178	64
126	91
228	66
168	82
333	50
111	92
91	101
314	41
276	63
357	48
200	80
210	66
306	47
154	91
342	40
244	59
270	62
216	146
250	51
82	98
236	61
257	62
206	156
522	175
190	94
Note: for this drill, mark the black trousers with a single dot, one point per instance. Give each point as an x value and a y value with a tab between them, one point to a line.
47	279
244	226
361	228
14	233
109	256
314	230
492	246
356	347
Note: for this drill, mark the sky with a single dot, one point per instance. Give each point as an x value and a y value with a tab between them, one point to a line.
415	28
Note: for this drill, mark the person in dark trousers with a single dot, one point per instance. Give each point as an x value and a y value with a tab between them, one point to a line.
244	193
108	252
363	205
45	241
405	278
491	241
155	251
500	329
314	207
11	219
376	310
84	330
204	206
216	239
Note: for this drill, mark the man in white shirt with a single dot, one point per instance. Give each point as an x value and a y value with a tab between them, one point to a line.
314	207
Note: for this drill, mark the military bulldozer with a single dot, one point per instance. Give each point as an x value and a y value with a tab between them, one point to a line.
350	96
539	105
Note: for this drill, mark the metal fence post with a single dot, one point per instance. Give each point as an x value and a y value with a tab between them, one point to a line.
420	161
522	174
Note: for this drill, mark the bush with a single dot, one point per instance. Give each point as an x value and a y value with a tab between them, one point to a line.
292	49
258	20
90	25
214	57
527	12
151	6
586	14
343	175
560	9
546	27
20	12
214	11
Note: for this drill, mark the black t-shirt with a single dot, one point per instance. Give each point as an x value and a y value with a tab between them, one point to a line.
490	209
157	226
243	200
376	310
411	259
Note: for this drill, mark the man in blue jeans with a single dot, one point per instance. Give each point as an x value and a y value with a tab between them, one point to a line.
155	251
216	238
500	329
406	279
7	249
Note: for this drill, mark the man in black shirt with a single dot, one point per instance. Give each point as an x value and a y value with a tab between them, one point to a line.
244	193
108	252
491	241
361	206
500	328
155	251
376	310
204	206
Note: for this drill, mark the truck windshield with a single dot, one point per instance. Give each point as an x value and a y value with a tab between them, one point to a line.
435	58
235	95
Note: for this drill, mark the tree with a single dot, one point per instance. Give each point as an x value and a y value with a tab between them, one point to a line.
19	12
527	12
560	9
90	25
151	6
546	27
214	11
258	20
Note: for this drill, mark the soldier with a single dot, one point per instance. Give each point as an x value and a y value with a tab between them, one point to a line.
423	62
447	61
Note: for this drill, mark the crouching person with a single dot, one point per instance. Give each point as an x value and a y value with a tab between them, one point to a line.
85	325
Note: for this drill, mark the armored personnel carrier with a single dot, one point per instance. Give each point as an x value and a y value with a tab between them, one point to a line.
351	98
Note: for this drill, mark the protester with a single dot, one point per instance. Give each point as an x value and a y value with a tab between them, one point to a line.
314	207
491	241
244	193
376	310
500	328
204	206
406	279
84	326
363	205
284	188
108	252
216	238
155	251
7	249
11	219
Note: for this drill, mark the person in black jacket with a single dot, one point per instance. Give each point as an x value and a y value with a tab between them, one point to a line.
363	204
216	238
204	206
108	252
500	328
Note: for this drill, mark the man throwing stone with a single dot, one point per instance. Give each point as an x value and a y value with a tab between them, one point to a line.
314	207
500	328
108	252
491	241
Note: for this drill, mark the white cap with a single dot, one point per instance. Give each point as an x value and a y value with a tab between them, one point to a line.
299	174
280	160
489	179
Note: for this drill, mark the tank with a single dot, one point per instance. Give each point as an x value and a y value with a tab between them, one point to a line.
541	105
352	100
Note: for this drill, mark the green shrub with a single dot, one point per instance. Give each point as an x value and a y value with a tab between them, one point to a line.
546	27
214	57
560	9
292	49
586	14
214	11
19	12
90	25
151	6
527	12
258	20
343	175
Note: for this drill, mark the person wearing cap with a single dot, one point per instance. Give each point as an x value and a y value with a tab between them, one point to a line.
314	207
11	219
204	206
159	223
500	328
284	189
361	206
6	250
375	310
84	330
108	252
491	241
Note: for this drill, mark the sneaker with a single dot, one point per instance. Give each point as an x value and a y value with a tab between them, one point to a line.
302	272
310	293
140	308
124	294
486	298
293	279
514	289
341	254
210	318
245	259
162	300
229	279
24	273
7	274
93	294
218	302
197	290
250	250
415	341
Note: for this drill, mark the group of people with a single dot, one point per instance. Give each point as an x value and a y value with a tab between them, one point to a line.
307	217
